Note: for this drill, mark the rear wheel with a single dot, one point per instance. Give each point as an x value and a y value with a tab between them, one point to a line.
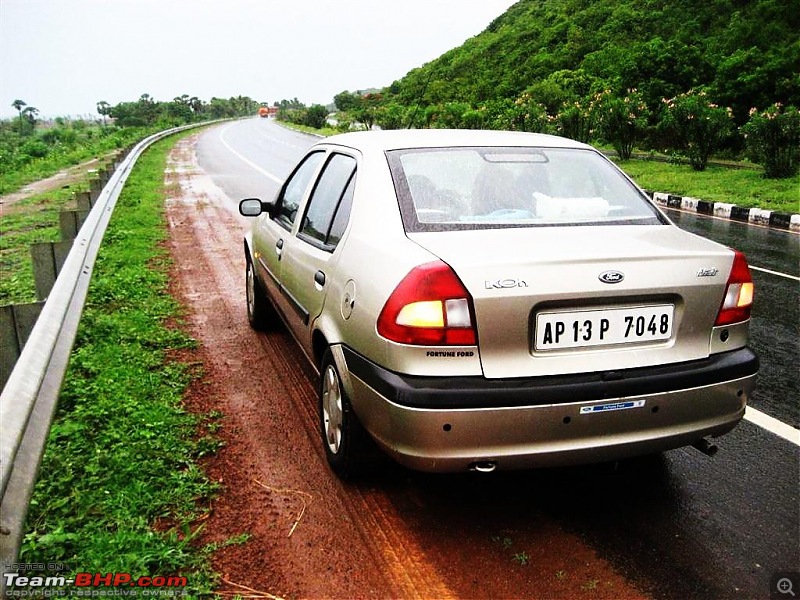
259	311
349	449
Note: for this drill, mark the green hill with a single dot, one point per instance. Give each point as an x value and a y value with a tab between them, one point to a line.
744	53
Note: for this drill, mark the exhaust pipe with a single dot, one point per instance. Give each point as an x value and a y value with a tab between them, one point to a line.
486	466
706	447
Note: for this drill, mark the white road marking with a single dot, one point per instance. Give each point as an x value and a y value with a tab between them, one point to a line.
275	140
246	160
773	425
779	274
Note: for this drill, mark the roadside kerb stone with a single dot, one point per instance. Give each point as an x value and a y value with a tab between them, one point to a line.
723	210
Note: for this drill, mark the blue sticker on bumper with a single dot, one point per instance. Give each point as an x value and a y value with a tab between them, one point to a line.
599	408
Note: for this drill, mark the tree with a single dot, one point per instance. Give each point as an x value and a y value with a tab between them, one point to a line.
316	116
27	120
575	120
103	109
346	101
30	113
181	109
367	111
528	113
622	121
19	105
773	140
663	69
392	116
196	104
696	126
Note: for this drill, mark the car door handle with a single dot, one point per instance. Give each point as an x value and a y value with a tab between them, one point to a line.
319	278
279	248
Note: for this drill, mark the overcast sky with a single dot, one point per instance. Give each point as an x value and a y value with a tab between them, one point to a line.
64	56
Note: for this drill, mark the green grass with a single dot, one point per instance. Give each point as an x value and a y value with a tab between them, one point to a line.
120	489
32	220
742	187
103	142
324	132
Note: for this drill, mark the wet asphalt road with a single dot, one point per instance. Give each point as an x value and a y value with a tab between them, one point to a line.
681	525
775	326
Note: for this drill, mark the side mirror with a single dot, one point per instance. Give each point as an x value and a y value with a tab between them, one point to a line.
253	207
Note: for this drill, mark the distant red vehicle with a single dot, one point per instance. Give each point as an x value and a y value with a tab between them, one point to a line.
267	111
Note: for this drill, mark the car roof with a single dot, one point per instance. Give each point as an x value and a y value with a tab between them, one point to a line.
399	139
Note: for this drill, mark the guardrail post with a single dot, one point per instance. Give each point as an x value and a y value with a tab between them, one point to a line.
16	324
95	187
48	258
84	200
70	222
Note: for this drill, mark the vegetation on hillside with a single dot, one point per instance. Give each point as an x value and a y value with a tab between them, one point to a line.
745	52
676	76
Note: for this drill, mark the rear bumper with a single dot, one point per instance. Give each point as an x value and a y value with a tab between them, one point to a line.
452	423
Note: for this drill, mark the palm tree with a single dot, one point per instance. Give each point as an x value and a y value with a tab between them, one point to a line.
18	104
29	113
103	108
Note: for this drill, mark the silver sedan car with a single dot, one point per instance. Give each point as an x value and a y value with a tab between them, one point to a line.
477	300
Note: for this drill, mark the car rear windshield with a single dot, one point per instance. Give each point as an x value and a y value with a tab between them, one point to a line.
443	189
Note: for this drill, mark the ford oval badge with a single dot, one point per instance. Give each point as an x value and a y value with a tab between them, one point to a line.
611	276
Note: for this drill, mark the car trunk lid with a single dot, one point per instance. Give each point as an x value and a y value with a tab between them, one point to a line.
557	300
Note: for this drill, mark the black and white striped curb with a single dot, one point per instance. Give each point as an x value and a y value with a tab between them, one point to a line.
722	210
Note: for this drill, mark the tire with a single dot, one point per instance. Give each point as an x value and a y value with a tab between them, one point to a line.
259	310
349	449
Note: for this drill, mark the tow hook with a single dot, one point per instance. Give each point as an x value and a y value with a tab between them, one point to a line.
706	447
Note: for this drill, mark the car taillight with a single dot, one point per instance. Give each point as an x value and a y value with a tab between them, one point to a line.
429	307
738	294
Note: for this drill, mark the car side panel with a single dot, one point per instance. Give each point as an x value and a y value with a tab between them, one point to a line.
303	294
266	255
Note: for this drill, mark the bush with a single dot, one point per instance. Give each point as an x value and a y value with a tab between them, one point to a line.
622	121
575	120
34	149
392	116
528	114
696	126
316	116
773	140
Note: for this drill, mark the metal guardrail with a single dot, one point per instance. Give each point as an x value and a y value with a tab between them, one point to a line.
29	398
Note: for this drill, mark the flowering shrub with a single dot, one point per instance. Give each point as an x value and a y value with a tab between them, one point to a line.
622	121
696	125
773	139
575	120
529	115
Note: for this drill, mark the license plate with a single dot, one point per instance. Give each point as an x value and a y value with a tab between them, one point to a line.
603	327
